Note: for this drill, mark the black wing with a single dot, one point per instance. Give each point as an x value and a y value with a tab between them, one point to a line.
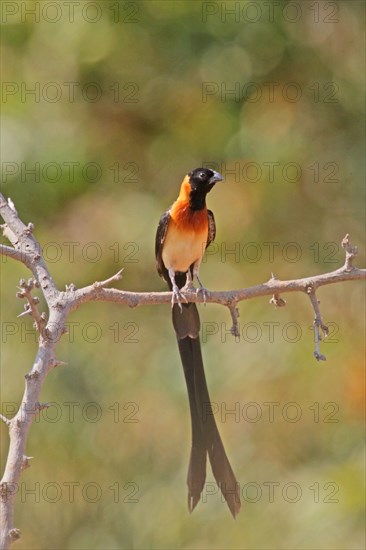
159	240
211	228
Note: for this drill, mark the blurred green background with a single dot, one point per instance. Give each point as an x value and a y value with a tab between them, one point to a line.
127	98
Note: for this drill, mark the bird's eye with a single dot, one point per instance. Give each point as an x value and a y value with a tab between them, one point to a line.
202	175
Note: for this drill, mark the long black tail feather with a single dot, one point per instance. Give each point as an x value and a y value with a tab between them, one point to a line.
205	435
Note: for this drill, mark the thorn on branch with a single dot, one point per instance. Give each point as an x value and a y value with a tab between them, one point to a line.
55	363
29	229
26	462
27	311
351	252
277	301
12	205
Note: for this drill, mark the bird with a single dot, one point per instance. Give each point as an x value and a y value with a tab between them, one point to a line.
184	232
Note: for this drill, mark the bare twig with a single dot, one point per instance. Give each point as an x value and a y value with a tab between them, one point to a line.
318	324
26	249
234	312
30	308
107	282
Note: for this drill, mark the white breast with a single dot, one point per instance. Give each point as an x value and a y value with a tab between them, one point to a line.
180	250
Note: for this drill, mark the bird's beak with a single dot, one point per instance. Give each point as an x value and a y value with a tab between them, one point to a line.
216	177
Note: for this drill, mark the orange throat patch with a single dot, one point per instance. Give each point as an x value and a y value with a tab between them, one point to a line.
182	215
187	219
187	234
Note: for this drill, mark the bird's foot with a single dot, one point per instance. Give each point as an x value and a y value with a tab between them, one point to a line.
204	291
189	287
176	297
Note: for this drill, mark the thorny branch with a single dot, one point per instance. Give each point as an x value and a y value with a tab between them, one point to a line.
27	250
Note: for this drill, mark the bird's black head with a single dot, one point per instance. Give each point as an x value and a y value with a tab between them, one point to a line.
202	180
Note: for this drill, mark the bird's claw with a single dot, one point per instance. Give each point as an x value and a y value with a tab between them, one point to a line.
189	287
204	293
176	297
